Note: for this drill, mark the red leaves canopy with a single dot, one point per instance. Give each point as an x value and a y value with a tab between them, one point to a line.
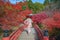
12	17
56	18
17	7
39	17
53	22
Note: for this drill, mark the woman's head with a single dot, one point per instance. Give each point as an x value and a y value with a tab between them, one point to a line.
28	20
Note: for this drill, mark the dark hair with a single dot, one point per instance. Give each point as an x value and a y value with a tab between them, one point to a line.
29	16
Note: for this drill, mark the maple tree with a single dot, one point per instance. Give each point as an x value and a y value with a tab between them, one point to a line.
39	17
53	22
13	15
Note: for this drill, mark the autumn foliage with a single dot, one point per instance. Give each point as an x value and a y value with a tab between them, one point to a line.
53	22
12	15
39	17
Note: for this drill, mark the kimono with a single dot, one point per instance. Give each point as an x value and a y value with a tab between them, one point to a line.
28	22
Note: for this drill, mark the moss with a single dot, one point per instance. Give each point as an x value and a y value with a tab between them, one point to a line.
40	25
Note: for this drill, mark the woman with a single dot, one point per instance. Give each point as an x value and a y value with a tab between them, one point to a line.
28	22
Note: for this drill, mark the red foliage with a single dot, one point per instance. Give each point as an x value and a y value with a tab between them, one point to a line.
25	13
12	17
56	18
17	7
1	2
48	23
37	18
53	22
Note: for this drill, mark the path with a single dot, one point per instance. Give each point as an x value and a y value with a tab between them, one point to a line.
31	36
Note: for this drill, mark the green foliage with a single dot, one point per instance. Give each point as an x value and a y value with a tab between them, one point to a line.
54	1
30	4
40	25
46	2
1	31
36	7
23	7
53	4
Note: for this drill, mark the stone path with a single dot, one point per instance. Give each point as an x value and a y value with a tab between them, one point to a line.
31	36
